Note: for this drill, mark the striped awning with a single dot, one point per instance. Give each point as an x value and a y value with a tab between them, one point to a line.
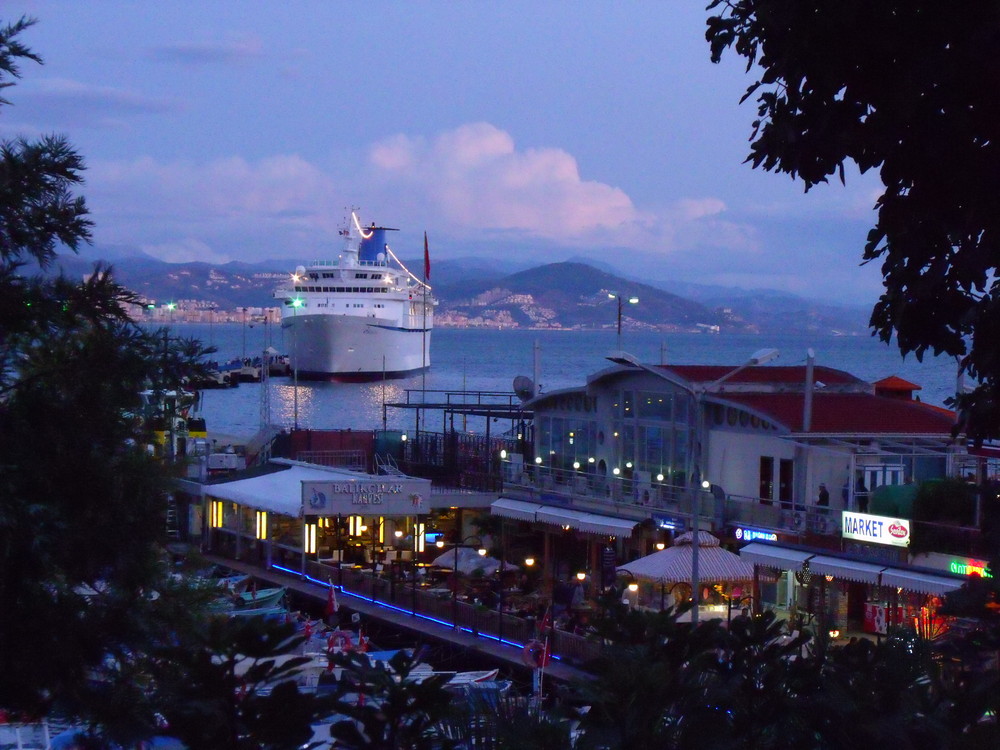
774	556
516	509
590	523
850	570
675	564
919	581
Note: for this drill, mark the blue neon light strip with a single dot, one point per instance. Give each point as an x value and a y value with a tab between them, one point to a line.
402	610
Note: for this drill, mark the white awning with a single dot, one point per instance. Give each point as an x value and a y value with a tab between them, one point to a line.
277	492
850	570
923	583
591	523
774	556
516	509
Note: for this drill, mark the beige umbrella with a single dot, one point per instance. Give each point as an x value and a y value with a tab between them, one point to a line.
469	560
673	564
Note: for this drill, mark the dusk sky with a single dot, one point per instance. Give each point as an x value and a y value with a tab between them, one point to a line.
514	131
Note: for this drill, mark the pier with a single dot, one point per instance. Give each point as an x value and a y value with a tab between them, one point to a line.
424	626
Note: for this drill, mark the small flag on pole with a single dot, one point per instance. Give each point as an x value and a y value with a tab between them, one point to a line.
331	601
427	259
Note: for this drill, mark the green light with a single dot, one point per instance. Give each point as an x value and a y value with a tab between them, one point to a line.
297	302
171	305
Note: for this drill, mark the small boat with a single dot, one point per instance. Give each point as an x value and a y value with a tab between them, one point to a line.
251	599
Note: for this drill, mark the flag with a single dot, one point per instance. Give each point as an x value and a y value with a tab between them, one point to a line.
331	601
427	259
546	622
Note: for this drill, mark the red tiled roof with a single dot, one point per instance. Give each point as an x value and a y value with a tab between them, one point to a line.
784	374
850	413
896	383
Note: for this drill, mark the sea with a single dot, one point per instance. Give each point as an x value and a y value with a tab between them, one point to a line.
465	359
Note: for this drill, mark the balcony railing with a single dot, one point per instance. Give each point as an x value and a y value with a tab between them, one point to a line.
631	497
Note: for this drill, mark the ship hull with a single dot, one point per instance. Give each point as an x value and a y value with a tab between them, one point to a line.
354	348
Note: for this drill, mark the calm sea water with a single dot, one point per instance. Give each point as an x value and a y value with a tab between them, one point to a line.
488	360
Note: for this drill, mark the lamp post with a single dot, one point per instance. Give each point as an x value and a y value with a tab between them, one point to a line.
759	357
245	333
478	546
632	587
296	304
632	300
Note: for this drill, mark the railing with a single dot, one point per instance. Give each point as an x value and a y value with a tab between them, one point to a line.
633	497
402	594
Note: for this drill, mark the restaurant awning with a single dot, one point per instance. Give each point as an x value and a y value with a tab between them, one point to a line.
850	570
516	509
788	558
774	556
591	523
919	581
277	492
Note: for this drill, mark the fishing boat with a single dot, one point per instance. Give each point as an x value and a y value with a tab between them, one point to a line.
362	317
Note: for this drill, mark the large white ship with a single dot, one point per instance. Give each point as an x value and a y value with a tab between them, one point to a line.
362	317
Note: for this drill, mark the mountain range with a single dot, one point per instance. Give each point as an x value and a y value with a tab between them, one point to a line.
470	291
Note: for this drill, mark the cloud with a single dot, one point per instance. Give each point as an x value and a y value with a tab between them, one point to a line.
475	178
66	103
237	208
211	52
185	250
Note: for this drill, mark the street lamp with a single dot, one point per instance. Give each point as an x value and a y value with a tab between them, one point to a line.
633	300
478	546
296	304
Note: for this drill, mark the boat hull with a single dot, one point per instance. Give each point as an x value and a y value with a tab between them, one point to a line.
354	348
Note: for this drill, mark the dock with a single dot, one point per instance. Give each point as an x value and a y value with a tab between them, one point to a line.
422	627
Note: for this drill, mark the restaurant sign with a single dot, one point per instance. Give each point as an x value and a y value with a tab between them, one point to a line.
744	534
968	567
382	496
875	529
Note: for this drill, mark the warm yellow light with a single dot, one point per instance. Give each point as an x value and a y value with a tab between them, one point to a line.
420	537
529	561
310	539
362	528
576	464
481	551
705	484
835	634
439	543
633	587
581	576
659	477
503	454
262	524
660	545
616	471
215	514
628	464
398	533
829	578
403	437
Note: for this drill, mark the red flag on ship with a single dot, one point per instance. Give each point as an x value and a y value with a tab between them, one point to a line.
427	259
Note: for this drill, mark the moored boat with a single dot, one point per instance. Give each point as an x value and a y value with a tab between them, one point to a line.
362	317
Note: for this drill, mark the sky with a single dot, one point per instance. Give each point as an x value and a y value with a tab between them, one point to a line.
515	132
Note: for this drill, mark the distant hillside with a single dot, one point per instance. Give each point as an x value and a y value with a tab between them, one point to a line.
572	295
472	291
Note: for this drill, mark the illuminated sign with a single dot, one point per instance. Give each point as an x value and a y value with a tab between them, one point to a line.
751	535
876	529
403	496
970	568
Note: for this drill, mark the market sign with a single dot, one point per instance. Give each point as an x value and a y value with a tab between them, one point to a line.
382	496
754	535
875	529
969	567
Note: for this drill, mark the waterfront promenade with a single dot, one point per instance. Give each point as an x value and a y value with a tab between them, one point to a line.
420	624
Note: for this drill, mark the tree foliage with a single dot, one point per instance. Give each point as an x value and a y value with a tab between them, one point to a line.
911	88
81	500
